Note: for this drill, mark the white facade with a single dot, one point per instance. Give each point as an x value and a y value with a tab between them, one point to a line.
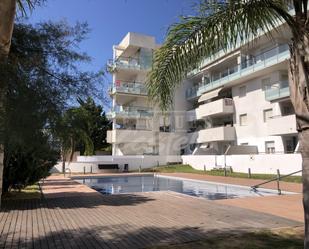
245	92
139	128
237	98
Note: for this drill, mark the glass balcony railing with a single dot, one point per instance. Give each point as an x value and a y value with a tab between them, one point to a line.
130	63
128	87
130	111
192	92
259	62
277	92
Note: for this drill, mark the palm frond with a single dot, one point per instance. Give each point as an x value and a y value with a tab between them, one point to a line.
192	39
25	5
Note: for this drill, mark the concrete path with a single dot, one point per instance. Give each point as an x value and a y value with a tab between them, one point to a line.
75	216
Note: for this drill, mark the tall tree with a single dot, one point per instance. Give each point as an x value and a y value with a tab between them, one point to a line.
72	130
43	74
83	129
7	18
224	24
96	124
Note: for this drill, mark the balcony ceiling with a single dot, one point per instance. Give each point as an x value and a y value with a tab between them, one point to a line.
130	51
126	98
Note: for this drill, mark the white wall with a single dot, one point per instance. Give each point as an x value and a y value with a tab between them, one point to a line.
134	162
253	104
259	164
76	167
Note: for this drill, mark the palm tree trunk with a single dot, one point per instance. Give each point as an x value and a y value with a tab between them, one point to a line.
299	88
304	143
7	17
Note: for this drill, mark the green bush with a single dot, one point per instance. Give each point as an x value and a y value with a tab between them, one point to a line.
26	165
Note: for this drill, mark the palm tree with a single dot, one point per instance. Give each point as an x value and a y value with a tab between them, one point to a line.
7	18
226	24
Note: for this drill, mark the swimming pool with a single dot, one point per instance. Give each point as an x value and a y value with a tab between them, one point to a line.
148	183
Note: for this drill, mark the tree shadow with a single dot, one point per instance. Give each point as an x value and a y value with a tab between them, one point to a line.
73	200
125	236
57	182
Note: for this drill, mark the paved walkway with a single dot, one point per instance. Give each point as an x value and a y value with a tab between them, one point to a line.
75	216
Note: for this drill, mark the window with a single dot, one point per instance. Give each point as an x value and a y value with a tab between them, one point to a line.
267	114
287	108
243	119
265	84
270	147
242	91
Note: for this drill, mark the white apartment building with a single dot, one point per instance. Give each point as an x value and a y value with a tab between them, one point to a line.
139	128
241	98
238	98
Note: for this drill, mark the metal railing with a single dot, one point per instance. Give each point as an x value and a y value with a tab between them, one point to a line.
277	92
129	87
258	62
131	111
278	178
137	63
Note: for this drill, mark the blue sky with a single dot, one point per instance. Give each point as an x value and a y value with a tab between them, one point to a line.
110	20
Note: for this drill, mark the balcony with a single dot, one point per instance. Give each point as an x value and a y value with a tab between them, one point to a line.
191	92
130	112
258	63
218	107
223	133
277	92
130	136
129	88
129	63
281	125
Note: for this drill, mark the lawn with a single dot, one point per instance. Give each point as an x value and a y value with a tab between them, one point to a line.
285	238
30	192
179	168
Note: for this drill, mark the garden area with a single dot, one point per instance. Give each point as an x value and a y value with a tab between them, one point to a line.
180	168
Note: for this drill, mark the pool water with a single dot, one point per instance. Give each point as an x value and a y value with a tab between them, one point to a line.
148	183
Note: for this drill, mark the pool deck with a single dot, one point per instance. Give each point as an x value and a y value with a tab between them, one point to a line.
287	206
74	216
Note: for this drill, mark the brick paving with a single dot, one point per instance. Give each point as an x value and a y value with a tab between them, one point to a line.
74	216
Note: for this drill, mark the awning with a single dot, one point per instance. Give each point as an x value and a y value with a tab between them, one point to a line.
210	95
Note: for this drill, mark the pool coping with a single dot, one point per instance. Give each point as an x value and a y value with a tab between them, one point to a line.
225	184
267	190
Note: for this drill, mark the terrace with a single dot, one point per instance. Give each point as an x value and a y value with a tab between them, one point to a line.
131	112
247	67
129	88
280	91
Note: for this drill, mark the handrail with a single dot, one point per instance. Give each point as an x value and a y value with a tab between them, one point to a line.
278	178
